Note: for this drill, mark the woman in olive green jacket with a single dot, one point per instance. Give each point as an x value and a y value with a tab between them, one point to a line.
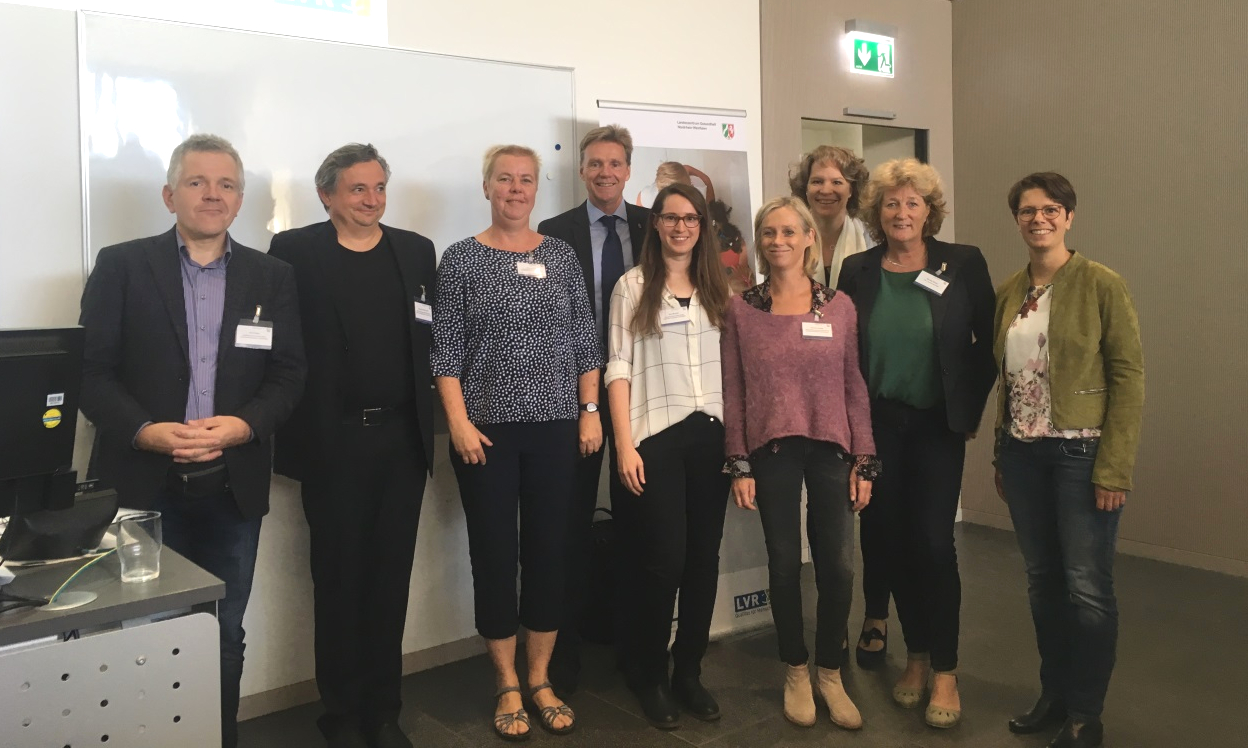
1068	423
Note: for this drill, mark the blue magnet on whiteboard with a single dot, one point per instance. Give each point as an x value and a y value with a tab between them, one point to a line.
558	147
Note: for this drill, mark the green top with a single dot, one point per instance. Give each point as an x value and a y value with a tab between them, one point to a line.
902	361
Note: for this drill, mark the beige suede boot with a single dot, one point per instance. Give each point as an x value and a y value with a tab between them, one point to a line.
799	698
844	713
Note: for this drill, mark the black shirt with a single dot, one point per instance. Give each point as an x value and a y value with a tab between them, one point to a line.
379	344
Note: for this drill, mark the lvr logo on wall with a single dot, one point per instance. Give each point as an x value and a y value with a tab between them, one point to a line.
730	131
750	603
354	7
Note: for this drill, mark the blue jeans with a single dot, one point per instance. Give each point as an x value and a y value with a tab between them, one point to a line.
213	535
1068	546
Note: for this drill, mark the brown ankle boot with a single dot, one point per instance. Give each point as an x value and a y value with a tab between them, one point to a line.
799	698
844	713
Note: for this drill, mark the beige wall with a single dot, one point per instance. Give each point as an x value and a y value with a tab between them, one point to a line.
1144	106
806	73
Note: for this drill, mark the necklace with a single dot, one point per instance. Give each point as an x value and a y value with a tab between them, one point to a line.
900	264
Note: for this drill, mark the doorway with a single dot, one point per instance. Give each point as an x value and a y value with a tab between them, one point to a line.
874	143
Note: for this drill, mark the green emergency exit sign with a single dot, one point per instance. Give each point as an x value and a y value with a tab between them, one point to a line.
873	55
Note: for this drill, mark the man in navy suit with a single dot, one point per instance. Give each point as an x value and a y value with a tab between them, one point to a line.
361	441
193	358
607	233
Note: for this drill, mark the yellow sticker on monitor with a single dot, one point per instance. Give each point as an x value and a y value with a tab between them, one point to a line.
51	418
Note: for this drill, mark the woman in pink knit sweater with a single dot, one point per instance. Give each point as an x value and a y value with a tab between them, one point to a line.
796	410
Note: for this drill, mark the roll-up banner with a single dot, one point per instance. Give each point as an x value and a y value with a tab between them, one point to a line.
702	147
707	148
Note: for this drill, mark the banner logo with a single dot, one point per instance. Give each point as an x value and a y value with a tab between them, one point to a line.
730	131
750	602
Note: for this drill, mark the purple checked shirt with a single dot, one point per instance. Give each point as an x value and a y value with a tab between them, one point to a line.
203	293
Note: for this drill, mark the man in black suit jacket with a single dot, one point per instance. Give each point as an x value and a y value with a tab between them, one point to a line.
193	358
603	224
361	441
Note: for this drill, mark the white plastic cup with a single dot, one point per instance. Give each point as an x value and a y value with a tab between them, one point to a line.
138	546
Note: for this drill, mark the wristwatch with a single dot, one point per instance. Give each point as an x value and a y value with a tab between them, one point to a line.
589	407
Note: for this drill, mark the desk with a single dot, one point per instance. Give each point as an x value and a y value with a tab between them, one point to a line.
127	679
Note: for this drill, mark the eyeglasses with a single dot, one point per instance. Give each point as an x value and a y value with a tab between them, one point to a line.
669	220
1048	211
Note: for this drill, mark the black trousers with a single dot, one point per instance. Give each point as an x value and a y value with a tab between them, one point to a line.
362	514
532	468
779	471
565	661
669	538
914	505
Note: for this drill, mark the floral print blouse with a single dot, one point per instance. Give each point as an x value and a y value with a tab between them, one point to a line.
1027	373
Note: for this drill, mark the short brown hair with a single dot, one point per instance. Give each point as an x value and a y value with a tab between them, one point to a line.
811	259
904	172
492	155
609	134
852	168
1057	187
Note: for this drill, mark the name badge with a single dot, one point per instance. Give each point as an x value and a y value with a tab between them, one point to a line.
424	312
253	334
531	269
817	330
677	316
932	283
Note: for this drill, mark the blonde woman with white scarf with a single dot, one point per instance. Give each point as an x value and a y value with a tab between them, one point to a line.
829	180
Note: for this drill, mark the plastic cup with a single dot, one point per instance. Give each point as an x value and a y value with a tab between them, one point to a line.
138	546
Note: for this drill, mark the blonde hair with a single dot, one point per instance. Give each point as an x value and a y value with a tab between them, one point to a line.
903	172
495	152
810	262
609	134
671	172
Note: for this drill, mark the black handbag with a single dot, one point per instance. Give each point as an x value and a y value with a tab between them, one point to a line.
598	614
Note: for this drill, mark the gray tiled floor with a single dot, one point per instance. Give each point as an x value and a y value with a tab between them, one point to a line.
1182	674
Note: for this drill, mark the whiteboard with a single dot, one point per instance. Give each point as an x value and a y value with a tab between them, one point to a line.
285	103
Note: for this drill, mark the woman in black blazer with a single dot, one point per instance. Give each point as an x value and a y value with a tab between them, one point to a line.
925	311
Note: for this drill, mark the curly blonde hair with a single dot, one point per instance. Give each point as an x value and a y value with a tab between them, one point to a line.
903	172
811	259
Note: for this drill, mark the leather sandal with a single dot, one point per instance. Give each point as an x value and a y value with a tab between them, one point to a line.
505	721
869	658
908	697
550	713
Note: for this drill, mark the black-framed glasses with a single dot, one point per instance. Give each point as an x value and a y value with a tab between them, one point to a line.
1048	211
669	220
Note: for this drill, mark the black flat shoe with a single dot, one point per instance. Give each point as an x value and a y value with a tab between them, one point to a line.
695	699
1079	735
659	706
1048	711
869	659
388	735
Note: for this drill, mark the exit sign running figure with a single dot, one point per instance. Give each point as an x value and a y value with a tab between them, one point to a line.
873	55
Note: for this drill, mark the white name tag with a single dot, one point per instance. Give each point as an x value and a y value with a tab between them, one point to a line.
816	329
252	334
424	312
678	316
531	269
933	283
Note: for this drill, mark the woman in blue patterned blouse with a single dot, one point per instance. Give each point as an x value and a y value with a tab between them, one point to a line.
516	359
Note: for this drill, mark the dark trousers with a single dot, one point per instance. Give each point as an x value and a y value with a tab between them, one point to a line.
565	661
669	538
914	506
779	471
531	467
1068	546
362	513
213	535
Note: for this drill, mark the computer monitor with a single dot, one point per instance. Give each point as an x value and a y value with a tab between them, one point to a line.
40	380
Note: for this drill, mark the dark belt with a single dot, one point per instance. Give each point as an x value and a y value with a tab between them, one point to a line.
376	416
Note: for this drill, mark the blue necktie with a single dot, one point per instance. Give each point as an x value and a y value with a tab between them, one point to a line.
612	269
